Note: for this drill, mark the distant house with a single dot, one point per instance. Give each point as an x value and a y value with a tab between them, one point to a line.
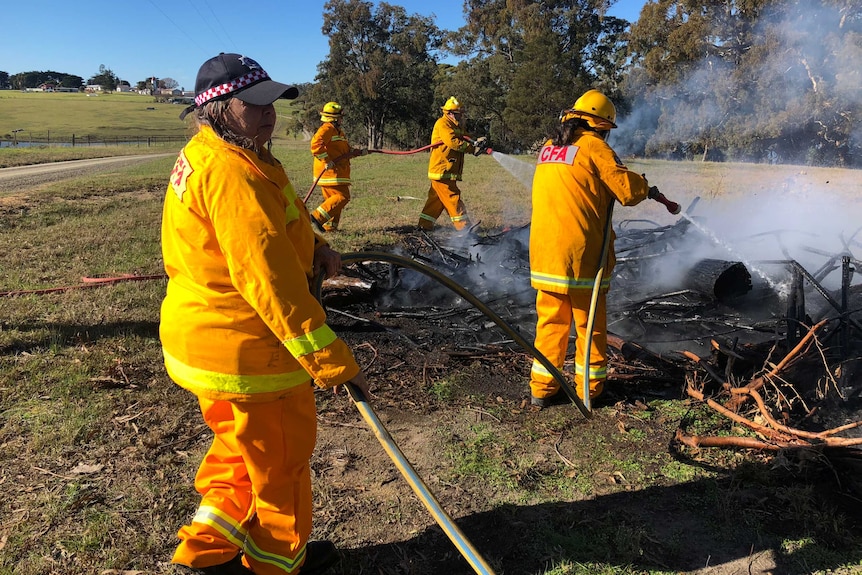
93	88
44	87
125	88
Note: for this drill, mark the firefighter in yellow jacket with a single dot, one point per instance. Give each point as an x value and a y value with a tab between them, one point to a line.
578	177
446	165
332	154
241	330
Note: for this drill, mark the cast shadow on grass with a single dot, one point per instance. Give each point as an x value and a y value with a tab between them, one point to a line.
675	529
37	337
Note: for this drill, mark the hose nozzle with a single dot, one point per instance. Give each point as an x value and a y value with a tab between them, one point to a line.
672	207
656	195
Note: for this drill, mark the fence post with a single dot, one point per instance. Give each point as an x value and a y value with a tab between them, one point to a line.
73	140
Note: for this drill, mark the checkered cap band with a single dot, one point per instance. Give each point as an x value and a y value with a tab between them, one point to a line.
232	86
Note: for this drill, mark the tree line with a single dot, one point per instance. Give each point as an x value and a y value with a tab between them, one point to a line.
744	80
106	78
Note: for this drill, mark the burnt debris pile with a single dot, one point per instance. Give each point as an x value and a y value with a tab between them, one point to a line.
763	329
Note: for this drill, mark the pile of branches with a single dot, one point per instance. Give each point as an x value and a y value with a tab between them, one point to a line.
778	411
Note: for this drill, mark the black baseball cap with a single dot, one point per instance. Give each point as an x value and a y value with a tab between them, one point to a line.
238	76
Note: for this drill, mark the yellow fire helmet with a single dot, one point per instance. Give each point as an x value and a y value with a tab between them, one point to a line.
331	112
452	105
595	108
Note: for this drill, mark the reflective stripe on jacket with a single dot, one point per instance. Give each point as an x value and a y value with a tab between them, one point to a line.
572	190
328	144
447	160
239	320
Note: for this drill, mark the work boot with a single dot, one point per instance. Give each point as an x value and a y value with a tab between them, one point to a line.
318	225
559	398
232	567
320	556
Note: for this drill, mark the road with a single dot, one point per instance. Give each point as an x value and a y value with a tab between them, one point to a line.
19	177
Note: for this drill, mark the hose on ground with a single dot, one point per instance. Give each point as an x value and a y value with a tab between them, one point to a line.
476	302
452	531
89	282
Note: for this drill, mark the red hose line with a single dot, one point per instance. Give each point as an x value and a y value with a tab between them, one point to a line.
89	282
404	153
339	158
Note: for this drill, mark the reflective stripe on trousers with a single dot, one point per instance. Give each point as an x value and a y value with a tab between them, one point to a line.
556	313
255	485
444	195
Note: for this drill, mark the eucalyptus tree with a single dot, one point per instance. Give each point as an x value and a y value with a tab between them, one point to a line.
534	58
749	79
105	78
381	68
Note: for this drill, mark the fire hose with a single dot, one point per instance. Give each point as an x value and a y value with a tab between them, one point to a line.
594	298
672	207
348	154
406	152
477	303
452	531
88	282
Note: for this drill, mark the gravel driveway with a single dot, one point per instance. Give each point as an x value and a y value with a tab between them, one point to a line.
16	178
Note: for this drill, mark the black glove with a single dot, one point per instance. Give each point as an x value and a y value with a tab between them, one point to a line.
480	145
653	192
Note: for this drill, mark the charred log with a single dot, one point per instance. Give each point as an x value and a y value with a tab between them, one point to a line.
720	279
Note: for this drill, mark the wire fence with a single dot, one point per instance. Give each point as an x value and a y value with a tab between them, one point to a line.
47	139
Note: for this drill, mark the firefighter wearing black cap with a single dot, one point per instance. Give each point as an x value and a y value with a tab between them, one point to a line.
578	177
242	331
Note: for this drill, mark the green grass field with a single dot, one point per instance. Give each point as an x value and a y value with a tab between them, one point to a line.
113	115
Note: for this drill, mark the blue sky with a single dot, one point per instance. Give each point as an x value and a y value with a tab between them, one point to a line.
171	38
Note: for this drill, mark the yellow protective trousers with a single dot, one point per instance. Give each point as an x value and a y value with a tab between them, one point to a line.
443	194
255	485
556	312
329	212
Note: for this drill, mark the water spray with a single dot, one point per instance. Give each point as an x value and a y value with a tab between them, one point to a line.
725	246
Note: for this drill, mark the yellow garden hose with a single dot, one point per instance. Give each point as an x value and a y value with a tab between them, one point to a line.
449	527
591	318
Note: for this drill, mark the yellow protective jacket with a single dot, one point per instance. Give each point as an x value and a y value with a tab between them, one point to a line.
573	187
447	160
239	321
329	144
